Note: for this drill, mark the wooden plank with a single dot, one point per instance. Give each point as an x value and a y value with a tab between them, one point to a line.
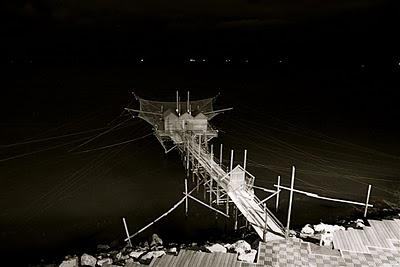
394	228
197	259
208	259
370	233
180	256
173	261
232	258
189	258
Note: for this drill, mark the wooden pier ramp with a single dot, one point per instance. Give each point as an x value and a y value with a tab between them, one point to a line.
231	186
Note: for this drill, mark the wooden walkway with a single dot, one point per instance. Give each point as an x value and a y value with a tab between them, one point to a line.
380	234
190	258
246	202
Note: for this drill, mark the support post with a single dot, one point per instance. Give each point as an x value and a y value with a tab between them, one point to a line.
187	160
198	182
220	155
245	159
177	102
188	103
212	153
199	144
205	140
127	232
211	190
366	203
266	223
236	218
277	194
186	199
217	194
290	203
231	166
227	204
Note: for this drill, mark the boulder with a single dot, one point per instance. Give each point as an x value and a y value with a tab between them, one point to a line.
104	261
153	254
216	248
307	230
360	223
173	250
135	254
88	260
240	246
156	240
327	228
248	256
73	262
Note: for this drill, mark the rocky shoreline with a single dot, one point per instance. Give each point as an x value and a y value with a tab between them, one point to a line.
245	248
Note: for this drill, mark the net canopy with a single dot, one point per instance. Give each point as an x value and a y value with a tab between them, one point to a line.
154	111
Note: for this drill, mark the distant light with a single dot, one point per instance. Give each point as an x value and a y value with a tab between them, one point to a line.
362	66
246	60
227	60
141	60
280	61
204	60
192	60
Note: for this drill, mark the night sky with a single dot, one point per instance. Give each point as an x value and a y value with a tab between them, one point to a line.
315	83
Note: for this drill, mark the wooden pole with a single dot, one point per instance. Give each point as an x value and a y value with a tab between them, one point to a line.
188	102
227	204
245	159
205	140
277	194
236	218
231	166
127	232
220	155
366	203
266	223
211	189
177	102
290	202
187	161
199	144
212	153
217	194
186	200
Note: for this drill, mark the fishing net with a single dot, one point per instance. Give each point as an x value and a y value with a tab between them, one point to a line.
153	111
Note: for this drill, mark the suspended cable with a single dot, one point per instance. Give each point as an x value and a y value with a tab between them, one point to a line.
97	136
114	145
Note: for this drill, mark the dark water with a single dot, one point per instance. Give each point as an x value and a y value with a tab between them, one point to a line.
338	125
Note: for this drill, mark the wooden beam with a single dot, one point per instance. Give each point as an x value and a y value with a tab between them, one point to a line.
127	232
277	195
290	202
366	203
324	198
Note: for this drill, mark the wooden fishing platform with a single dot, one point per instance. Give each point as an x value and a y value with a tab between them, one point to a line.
190	132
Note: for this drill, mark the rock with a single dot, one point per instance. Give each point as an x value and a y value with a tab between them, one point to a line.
216	248
104	261
156	240
88	260
307	230
173	250
360	223
70	263
128	261
153	254
136	254
240	246
327	228
248	256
